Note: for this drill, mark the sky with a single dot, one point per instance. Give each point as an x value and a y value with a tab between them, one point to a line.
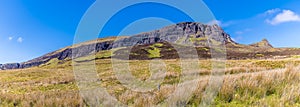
31	28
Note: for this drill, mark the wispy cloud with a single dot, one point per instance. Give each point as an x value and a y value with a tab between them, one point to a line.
10	38
283	17
220	23
213	22
20	40
272	11
242	31
238	34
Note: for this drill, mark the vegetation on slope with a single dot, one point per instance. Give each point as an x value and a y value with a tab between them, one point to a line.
154	51
247	83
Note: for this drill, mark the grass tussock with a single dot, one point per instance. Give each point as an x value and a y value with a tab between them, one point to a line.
268	88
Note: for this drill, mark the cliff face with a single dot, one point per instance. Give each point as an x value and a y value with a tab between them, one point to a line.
195	33
181	33
61	55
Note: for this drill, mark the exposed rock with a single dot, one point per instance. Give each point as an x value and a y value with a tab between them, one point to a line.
181	33
262	44
79	51
1	67
196	34
10	66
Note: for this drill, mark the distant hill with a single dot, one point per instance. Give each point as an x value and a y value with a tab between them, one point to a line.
157	44
262	44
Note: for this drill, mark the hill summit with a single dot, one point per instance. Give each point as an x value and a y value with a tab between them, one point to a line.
262	44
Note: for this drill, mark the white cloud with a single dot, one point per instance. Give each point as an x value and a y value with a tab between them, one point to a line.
213	22
284	16
10	38
20	39
220	23
272	11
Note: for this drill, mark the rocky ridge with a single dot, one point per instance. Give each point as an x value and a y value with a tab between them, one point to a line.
181	33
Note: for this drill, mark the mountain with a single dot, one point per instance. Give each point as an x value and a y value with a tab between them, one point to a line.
181	33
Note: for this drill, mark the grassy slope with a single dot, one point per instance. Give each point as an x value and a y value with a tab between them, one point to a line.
247	83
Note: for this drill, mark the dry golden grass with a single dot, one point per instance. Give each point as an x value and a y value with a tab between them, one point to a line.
261	88
246	83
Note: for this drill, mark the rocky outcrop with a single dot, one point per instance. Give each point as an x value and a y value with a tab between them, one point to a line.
70	52
78	51
10	66
262	44
183	33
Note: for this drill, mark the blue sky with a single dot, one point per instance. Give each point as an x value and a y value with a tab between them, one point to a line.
31	28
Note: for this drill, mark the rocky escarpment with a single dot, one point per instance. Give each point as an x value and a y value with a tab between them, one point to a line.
10	66
182	33
80	50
